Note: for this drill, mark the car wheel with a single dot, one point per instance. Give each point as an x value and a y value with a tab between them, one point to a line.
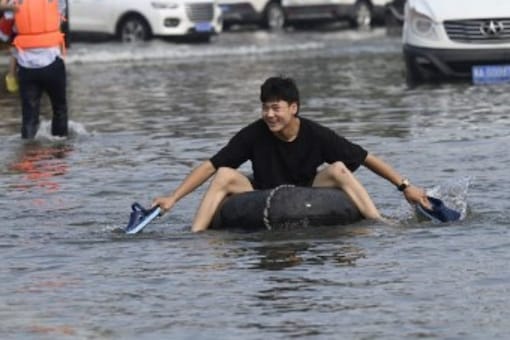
134	29
274	18
362	15
413	74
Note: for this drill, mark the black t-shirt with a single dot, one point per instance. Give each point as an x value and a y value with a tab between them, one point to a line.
277	162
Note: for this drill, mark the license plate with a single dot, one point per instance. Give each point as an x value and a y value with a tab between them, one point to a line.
203	27
491	74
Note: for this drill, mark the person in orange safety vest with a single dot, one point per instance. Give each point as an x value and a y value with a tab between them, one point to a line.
39	49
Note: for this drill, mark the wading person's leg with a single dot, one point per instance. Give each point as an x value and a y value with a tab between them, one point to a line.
227	181
55	83
339	176
30	93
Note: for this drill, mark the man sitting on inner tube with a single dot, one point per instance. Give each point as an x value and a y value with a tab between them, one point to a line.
285	148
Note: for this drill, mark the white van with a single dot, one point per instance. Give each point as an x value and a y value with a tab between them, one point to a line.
274	14
138	20
451	39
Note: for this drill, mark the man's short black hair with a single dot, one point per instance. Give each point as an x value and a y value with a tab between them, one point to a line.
279	88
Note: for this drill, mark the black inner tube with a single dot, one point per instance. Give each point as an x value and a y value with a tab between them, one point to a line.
286	207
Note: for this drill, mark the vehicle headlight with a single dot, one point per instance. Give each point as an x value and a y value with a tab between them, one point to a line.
164	5
423	26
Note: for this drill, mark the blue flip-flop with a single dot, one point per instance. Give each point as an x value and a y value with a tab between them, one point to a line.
140	217
439	213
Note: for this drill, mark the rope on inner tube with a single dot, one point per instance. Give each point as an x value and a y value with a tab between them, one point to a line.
267	208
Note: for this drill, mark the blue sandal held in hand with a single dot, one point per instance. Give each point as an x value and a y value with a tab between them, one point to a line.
140	217
439	212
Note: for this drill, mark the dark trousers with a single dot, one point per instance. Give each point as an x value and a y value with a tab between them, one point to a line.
33	82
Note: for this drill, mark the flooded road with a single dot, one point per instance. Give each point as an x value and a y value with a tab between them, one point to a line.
142	117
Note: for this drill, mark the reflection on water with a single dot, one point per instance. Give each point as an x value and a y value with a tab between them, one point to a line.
40	166
278	257
282	256
283	249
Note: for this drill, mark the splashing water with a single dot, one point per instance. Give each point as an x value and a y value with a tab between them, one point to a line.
75	130
453	193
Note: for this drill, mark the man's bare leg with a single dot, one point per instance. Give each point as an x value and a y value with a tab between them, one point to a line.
339	176
227	181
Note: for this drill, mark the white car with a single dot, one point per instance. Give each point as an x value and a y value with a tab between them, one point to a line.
457	39
138	20
274	14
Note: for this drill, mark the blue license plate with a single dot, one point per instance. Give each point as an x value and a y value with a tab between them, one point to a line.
203	27
491	74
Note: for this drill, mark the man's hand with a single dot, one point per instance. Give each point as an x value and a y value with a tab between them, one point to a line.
416	195
165	203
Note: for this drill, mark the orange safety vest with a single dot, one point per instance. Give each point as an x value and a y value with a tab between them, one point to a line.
38	24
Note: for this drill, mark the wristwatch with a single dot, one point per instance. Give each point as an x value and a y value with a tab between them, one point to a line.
403	185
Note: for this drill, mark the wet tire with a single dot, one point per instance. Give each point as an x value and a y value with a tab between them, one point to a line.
414	76
361	16
274	18
134	29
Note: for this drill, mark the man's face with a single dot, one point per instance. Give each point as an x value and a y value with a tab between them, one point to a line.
278	114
